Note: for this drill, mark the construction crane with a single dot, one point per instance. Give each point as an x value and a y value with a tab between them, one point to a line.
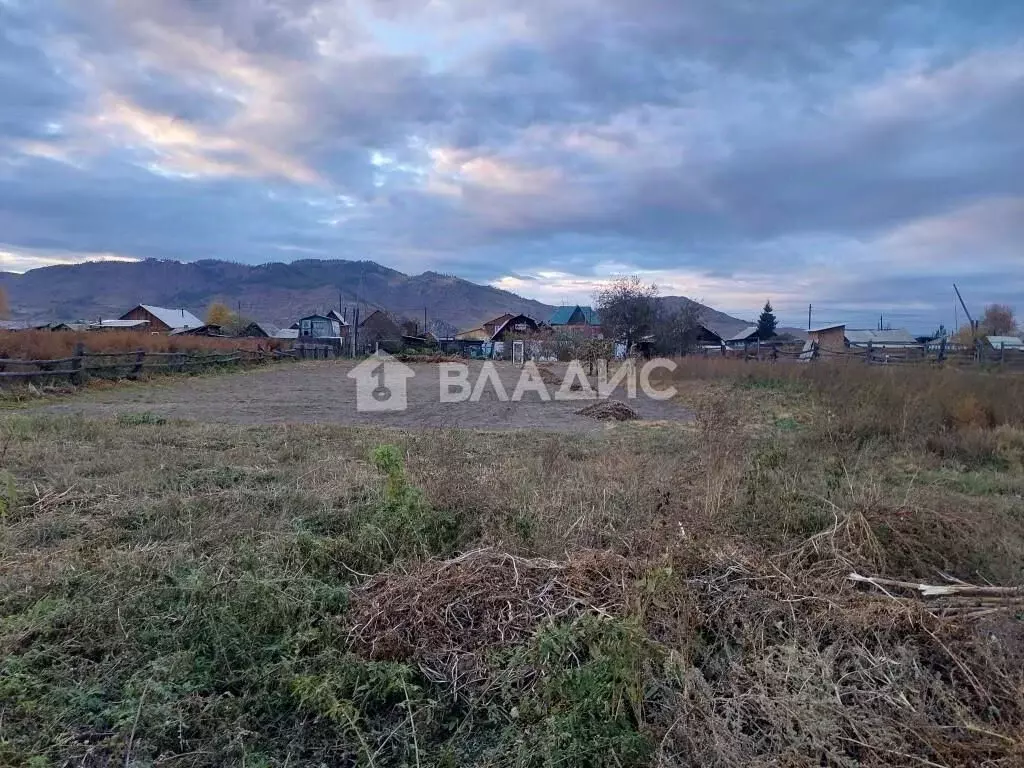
974	325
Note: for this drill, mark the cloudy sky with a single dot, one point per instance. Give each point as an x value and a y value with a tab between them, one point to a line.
860	156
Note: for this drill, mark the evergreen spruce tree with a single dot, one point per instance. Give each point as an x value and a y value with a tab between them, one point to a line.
766	323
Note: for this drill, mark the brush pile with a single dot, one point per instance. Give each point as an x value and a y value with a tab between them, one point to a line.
757	661
609	410
443	614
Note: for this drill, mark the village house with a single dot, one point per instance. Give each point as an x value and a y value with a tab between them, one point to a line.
577	319
161	319
380	329
258	330
838	338
329	326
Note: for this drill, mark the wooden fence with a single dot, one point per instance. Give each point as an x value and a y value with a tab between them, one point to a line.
83	365
983	355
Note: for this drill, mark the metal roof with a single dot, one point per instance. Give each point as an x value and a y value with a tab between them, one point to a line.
563	315
743	335
1009	342
821	328
119	324
268	328
287	333
880	338
173	318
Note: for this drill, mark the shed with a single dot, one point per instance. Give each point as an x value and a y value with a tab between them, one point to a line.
477	335
202	330
119	325
887	339
1005	342
830	337
163	319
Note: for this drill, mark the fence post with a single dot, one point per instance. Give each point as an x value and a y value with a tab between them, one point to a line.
867	353
140	355
942	349
1002	352
78	377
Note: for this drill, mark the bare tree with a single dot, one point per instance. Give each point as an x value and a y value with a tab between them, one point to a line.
628	309
998	320
676	332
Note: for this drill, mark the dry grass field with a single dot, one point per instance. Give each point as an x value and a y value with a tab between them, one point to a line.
320	392
182	593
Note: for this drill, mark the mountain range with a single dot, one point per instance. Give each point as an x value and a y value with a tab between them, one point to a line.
275	293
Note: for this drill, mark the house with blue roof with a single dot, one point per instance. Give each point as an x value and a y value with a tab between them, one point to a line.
574	316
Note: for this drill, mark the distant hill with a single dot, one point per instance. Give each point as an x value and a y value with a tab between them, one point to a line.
275	293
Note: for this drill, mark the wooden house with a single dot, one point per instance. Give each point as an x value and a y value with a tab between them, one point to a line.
258	330
161	319
380	329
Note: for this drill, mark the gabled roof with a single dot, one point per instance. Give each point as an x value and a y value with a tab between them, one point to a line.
1009	342
513	319
743	335
383	313
336	315
173	318
563	315
268	328
894	336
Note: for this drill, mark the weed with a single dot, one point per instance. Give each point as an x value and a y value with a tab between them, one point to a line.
141	418
578	693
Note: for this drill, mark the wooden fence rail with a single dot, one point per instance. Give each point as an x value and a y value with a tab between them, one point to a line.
130	364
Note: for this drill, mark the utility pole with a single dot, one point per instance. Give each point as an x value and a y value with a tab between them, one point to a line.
809	308
424	321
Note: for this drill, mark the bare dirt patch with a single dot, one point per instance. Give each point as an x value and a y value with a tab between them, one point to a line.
320	392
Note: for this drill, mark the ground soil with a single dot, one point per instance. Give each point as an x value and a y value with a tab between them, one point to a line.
316	392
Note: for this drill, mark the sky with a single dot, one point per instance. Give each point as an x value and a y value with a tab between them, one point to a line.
858	156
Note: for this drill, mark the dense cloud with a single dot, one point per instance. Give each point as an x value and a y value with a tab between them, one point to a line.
858	156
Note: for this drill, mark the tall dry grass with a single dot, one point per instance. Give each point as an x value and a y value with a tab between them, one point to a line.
50	345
